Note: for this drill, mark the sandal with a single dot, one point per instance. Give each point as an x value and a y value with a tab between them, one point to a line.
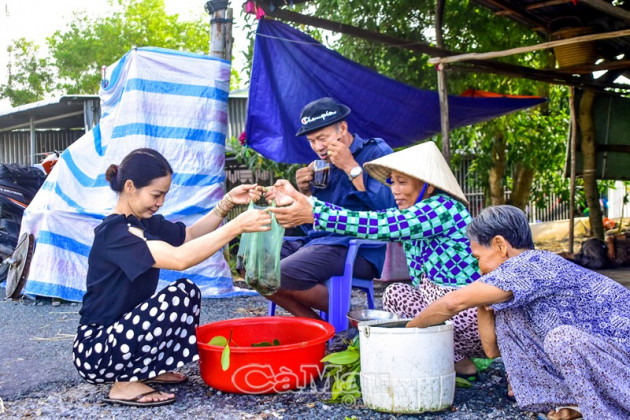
509	397
134	402
155	380
575	408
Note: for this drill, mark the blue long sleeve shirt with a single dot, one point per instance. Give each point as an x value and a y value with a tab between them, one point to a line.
341	191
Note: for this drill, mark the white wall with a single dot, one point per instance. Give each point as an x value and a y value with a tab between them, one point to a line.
615	200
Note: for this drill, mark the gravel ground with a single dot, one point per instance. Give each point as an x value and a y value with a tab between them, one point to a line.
37	378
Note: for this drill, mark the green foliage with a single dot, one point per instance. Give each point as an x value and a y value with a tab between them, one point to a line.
218	340
255	161
462	383
534	138
30	77
85	45
275	342
481	363
78	51
344	368
229	254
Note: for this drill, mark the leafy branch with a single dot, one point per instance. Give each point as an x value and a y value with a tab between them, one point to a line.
345	367
255	161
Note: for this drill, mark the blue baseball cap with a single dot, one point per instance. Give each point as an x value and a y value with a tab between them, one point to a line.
321	113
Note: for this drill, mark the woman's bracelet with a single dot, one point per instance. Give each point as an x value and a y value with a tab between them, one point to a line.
221	213
223	207
228	200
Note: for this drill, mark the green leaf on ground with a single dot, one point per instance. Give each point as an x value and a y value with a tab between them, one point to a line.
342	358
462	383
482	364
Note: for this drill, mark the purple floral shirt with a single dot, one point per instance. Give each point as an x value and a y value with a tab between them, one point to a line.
552	291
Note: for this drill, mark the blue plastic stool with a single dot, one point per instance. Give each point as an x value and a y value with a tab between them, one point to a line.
340	289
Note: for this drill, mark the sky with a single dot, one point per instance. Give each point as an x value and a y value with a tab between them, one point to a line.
37	19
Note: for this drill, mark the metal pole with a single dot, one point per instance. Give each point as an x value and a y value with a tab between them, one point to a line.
33	141
572	169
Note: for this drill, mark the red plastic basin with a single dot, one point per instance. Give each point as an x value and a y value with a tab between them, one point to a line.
264	370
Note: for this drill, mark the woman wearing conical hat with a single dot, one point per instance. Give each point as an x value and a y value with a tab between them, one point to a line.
430	221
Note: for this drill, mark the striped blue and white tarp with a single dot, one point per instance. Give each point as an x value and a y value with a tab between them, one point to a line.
171	101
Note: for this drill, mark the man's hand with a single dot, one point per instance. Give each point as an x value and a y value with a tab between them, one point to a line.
340	156
303	179
280	193
298	213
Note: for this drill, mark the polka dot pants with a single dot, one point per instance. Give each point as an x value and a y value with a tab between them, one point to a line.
408	301
157	336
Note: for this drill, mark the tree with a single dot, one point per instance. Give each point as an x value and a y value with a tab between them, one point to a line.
511	152
85	45
588	147
30	77
78	51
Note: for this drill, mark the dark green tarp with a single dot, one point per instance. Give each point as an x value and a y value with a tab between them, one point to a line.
611	118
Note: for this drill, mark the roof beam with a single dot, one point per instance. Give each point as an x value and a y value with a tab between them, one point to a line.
534	6
421	47
530	48
41	121
533	74
608	8
590	68
486	66
548	3
515	11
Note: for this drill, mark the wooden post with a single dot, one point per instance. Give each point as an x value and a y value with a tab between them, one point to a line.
220	29
573	149
217	34
229	40
444	123
442	91
589	162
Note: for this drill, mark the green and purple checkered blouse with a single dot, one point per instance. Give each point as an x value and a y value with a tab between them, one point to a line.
433	233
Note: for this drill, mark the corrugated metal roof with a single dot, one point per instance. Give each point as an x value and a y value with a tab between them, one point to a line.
64	112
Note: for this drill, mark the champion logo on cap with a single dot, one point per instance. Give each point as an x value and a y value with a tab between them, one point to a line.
321	113
307	120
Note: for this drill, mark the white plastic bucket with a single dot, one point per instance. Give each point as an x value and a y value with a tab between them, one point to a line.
406	370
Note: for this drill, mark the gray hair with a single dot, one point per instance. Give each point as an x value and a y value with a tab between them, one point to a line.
507	221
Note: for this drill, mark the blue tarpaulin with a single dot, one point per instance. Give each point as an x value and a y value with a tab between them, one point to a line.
171	101
291	69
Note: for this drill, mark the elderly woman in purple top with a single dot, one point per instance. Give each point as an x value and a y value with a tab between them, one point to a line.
563	331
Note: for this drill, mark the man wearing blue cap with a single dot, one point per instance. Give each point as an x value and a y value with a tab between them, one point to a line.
311	260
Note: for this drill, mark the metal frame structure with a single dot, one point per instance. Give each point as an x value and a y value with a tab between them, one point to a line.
65	113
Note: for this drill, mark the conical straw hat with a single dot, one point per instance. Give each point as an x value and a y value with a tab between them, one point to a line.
424	162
